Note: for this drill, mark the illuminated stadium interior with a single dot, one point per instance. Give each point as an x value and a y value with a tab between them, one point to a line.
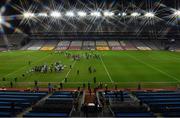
89	58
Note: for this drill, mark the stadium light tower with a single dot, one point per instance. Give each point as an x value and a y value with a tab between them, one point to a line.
82	14
28	15
177	13
149	15
96	14
70	14
55	14
108	14
135	14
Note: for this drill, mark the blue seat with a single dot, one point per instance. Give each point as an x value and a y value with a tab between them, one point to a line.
163	103
113	96
60	99
22	93
119	114
20	96
63	93
40	114
15	103
156	97
61	96
161	100
5	114
14	100
113	93
8	108
171	114
155	94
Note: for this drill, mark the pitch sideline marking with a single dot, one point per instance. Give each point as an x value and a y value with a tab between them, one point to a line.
106	69
69	71
153	67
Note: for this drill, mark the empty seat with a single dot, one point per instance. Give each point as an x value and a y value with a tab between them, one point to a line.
39	114
143	114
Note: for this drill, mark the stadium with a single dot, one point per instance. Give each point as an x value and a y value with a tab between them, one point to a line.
89	58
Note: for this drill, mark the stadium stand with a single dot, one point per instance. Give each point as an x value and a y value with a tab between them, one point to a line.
14	41
28	45
164	102
95	45
2	48
108	103
63	45
102	45
115	45
75	45
60	104
35	45
177	46
14	102
150	44
49	45
159	44
127	45
140	46
88	45
121	104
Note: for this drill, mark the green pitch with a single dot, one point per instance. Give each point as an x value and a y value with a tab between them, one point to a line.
125	68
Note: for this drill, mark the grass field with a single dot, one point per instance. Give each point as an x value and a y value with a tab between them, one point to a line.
153	69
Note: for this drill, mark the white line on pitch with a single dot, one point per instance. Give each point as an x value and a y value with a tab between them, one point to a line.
106	69
69	71
153	67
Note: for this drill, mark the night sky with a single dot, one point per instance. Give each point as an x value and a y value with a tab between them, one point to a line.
143	4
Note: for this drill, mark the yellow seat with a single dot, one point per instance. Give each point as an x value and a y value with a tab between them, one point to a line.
102	48
47	48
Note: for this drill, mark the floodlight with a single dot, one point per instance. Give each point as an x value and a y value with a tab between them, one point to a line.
149	15
70	14
135	14
124	14
28	15
43	14
82	13
108	14
177	13
55	14
96	14
1	20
